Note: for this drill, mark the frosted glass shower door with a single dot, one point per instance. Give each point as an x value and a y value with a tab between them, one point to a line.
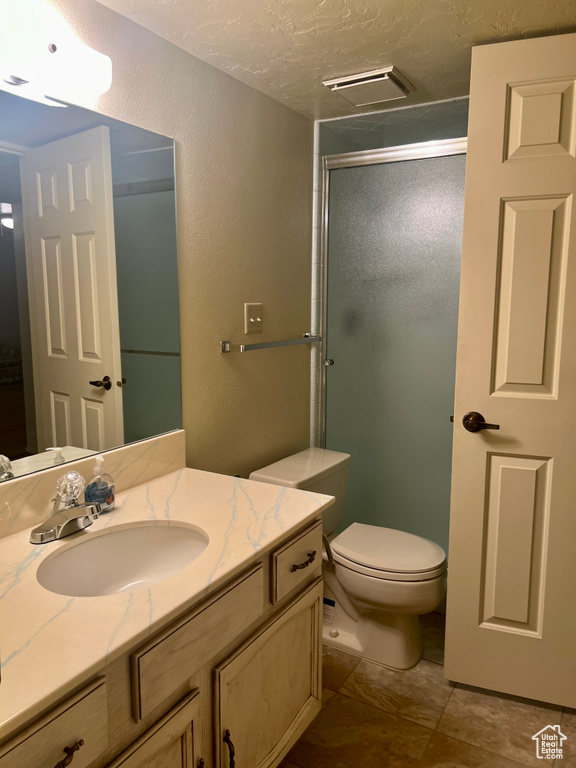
394	249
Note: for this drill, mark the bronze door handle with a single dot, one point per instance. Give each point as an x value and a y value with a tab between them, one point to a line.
474	422
106	383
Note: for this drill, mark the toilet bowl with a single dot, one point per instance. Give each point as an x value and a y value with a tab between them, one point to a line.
377	581
390	578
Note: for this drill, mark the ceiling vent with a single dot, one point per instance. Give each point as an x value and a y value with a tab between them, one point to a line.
371	87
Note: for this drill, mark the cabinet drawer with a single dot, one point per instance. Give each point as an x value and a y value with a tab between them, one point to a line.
167	661
297	562
81	717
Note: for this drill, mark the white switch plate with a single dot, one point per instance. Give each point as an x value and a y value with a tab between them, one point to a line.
253	318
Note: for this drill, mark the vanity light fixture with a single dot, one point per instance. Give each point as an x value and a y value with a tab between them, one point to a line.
21	87
43	60
371	87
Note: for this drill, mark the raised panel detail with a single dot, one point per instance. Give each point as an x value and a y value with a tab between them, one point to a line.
80	183
541	119
530	299
93	424
86	283
60	418
54	297
516	526
47	190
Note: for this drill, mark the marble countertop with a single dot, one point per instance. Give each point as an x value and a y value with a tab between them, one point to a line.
51	643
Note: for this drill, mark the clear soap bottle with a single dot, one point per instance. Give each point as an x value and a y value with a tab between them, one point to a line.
101	488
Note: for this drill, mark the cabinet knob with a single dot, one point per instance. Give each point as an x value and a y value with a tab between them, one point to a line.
69	754
228	740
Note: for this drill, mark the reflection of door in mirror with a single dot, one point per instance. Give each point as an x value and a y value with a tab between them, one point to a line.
145	280
71	266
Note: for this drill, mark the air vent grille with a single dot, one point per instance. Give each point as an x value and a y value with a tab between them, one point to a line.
371	87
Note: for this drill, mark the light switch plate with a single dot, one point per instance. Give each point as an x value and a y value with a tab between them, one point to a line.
253	318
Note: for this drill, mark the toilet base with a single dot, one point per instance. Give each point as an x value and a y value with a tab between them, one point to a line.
392	639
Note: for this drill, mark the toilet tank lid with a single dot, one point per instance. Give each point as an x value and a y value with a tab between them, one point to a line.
302	469
387	549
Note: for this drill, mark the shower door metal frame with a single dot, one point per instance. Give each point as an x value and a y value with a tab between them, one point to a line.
424	150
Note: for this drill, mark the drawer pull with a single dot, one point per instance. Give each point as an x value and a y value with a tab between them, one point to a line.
69	754
228	740
306	563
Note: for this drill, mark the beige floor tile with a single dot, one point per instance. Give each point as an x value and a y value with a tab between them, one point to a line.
419	694
497	723
433	632
327	696
444	752
336	666
349	734
568	728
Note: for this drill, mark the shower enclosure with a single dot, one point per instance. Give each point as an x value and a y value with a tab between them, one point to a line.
393	249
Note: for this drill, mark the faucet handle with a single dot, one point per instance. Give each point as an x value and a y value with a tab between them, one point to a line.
69	487
5	468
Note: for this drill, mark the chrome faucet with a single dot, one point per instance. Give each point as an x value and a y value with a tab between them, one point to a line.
67	515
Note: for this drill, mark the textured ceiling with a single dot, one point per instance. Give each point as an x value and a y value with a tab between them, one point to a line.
285	48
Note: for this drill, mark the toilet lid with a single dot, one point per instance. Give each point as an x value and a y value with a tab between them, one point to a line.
386	549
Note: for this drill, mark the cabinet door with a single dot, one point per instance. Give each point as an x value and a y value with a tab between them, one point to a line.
169	743
268	692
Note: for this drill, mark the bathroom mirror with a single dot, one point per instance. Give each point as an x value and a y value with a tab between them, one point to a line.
55	311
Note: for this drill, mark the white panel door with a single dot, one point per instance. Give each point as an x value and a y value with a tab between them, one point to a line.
71	263
511	618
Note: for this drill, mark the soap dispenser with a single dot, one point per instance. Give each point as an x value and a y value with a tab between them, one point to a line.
58	454
101	488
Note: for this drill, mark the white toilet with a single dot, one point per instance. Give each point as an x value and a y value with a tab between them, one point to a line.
376	580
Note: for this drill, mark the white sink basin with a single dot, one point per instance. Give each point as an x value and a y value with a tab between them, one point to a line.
121	559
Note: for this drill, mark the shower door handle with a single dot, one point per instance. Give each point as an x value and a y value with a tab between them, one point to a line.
474	422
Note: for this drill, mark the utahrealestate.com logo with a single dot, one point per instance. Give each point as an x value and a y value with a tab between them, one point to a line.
549	743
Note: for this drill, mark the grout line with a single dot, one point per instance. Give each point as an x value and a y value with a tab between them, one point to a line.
444	708
483	749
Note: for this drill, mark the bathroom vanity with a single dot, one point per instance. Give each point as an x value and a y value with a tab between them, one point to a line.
217	664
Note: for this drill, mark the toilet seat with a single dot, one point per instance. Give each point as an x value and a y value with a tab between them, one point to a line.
385	553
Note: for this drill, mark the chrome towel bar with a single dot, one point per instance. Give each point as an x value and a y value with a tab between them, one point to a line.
226	346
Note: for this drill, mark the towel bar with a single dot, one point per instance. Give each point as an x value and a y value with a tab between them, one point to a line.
226	346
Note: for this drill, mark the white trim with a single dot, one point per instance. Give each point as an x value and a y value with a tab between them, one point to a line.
420	151
12	149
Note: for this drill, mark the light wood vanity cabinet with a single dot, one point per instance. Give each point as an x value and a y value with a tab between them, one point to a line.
268	691
244	661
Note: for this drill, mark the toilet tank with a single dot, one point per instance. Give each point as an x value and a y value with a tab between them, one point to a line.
317	470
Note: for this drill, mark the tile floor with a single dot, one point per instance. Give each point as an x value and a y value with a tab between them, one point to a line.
375	717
